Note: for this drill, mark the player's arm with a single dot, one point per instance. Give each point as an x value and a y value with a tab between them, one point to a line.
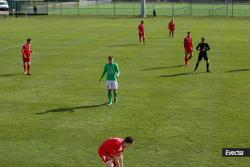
23	52
184	43
115	156
117	70
197	47
103	73
120	159
208	48
117	162
31	50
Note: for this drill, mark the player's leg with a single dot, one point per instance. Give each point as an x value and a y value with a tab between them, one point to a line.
172	34
169	34
24	67
207	63
144	39
107	160
200	57
140	37
115	90
190	56
186	57
115	95
198	62
110	164
29	73
109	96
109	87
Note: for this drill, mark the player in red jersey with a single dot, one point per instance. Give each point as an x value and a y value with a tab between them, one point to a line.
188	46
111	151
171	27
26	51
141	32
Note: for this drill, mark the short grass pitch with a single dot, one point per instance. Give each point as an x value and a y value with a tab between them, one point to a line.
57	116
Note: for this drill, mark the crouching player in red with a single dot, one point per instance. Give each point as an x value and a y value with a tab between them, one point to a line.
26	51
171	27
188	46
141	30
111	151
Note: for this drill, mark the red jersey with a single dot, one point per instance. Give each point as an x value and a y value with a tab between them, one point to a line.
188	42
171	25
26	50
141	29
112	147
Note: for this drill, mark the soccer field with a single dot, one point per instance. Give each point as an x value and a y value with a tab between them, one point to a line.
58	118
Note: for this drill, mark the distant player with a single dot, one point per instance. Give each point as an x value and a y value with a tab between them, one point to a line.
111	151
203	47
141	30
188	46
113	72
171	27
154	14
26	51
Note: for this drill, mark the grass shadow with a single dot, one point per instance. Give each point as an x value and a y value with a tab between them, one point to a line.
238	70
180	74
71	109
10	75
158	68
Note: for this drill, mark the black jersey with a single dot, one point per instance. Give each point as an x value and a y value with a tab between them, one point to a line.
203	48
154	12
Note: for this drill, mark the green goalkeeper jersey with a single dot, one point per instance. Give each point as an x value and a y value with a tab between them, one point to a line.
112	71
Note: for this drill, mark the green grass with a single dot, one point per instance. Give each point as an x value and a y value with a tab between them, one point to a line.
164	9
179	118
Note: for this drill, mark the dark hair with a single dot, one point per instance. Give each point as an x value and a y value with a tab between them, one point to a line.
110	57
142	21
129	140
189	32
28	40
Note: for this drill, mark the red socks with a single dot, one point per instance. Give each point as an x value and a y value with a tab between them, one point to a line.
29	68
24	67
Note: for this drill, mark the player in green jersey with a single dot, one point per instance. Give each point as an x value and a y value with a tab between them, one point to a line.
112	70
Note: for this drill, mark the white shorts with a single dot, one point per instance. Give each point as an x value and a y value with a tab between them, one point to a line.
112	84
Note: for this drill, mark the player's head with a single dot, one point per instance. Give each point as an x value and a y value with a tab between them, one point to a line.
203	39
110	59
172	19
128	141
142	22
188	33
28	40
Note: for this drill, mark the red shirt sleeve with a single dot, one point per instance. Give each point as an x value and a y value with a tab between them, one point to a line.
23	50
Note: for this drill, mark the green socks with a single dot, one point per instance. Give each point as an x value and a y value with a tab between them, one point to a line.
110	96
115	96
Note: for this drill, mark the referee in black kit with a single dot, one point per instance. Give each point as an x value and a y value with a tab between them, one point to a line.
203	47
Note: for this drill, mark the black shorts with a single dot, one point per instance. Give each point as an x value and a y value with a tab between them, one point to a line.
201	56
